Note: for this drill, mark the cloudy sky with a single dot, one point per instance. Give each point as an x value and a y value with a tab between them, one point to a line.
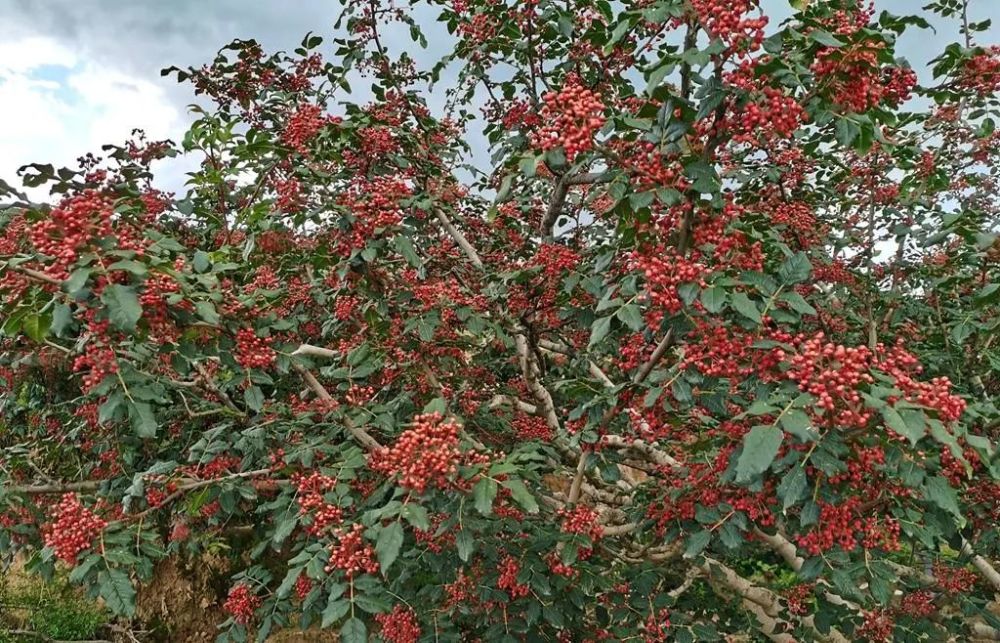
75	74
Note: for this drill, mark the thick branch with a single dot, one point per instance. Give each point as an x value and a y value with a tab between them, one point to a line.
358	432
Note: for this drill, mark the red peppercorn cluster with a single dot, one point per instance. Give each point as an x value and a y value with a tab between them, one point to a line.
310	492
303	585
241	603
833	373
573	116
424	455
73	530
581	520
954	580
842	526
351	554
253	351
935	394
509	569
289	194
73	226
982	72
656	629
727	20
303	125
373	205
800	598
918	604
531	427
772	115
399	626
559	568
99	362
665	271
877	627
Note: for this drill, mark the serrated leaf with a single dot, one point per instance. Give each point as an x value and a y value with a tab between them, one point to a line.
745	307
483	494
912	430
631	315
713	299
941	493
143	419
388	544
36	326
521	495
792	487
416	515
798	303
123	306
760	446
116	589
797	423
254	398
336	608
825	38
354	631
599	330
697	543
465	544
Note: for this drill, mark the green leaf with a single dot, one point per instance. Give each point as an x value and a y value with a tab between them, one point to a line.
254	398
405	247
713	299
631	315
77	280
825	38
123	306
795	269
760	446
797	423
938	491
484	493
336	607
416	515
745	307
116	589
988	294
465	544
143	419
599	330
793	487
521	495
697	543
36	326
388	544
912	428
62	317
798	303
354	631
206	310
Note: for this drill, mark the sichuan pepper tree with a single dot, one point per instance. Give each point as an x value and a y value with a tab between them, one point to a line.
705	346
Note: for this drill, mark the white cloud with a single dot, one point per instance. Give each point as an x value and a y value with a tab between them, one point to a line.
57	104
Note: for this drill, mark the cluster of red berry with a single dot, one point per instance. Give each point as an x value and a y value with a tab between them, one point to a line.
833	373
99	362
727	20
72	226
74	529
303	125
310	490
509	569
424	455
877	627
253	351
572	116
242	603
351	554
581	520
399	626
656	629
